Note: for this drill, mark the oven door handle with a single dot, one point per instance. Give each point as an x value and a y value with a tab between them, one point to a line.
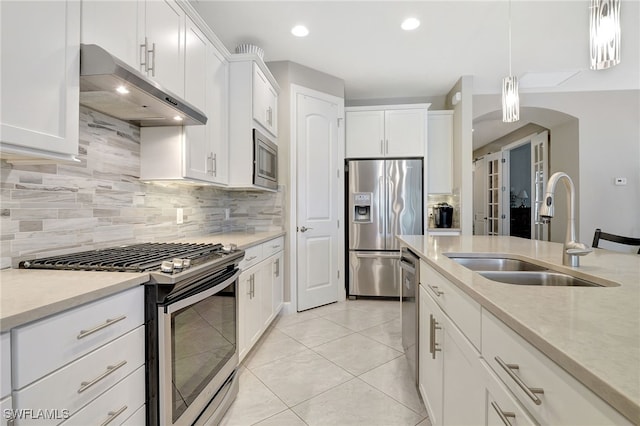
176	306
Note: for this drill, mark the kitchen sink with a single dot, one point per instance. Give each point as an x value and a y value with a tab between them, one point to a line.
520	272
544	278
496	264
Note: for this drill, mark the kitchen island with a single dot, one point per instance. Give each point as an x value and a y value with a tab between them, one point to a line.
591	333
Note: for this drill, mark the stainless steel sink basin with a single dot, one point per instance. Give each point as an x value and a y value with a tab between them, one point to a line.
496	264
545	278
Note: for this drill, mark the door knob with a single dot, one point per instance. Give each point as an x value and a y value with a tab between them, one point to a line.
305	229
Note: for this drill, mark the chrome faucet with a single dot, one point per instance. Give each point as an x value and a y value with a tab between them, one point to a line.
571	249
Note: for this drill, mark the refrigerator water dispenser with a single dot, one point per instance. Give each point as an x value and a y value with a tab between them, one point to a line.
362	207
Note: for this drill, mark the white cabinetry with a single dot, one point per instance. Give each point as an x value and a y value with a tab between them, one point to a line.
386	131
5	377
193	152
553	397
147	35
253	104
100	18
440	152
260	291
163	40
40	69
450	379
89	350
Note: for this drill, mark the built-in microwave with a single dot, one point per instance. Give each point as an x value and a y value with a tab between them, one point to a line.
265	161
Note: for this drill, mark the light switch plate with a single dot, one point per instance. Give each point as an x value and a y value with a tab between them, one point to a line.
179	216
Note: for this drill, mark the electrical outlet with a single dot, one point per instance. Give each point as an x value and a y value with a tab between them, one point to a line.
179	216
620	181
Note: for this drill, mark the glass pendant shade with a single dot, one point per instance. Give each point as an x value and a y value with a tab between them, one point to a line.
604	31
510	99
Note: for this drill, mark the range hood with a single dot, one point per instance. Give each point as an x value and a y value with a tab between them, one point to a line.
110	86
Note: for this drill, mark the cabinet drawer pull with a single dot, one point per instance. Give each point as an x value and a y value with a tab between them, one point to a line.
531	392
504	415
435	289
150	67
110	369
249	259
107	323
112	415
433	326
275	246
277	268
144	56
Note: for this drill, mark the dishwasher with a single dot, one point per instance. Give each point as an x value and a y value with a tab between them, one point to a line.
410	265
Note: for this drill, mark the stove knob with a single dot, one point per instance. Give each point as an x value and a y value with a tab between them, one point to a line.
178	264
167	266
186	263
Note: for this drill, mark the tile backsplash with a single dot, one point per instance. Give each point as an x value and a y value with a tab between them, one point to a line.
50	209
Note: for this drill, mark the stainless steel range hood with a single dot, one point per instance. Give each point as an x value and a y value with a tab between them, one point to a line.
112	87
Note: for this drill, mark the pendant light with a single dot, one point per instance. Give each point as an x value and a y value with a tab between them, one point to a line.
604	34
510	99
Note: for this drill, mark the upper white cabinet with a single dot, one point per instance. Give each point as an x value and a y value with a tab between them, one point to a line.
386	131
193	152
147	35
265	101
440	152
163	40
253	104
99	18
40	79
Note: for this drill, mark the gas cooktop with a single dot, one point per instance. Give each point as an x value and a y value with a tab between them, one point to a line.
161	257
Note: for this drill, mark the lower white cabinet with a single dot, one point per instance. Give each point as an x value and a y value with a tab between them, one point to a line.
449	371
558	398
118	403
260	291
5	361
501	407
6	406
82	364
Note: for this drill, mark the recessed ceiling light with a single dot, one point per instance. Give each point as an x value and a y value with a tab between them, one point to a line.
300	31
410	24
122	90
177	118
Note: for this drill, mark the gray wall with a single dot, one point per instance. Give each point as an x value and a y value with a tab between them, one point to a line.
609	146
60	208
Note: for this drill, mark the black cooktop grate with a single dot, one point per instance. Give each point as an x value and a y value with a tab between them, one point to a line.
133	258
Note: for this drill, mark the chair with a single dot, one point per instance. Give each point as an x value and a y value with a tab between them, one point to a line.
599	235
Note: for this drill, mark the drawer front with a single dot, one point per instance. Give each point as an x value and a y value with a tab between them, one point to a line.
5	407
115	405
78	383
564	401
252	256
5	361
464	311
139	418
272	247
500	404
71	334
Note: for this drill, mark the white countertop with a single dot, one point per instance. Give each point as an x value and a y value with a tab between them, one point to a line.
31	294
593	333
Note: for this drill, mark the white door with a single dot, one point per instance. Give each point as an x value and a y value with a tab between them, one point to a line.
539	171
480	197
319	198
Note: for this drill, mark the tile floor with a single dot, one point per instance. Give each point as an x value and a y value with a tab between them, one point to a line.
340	364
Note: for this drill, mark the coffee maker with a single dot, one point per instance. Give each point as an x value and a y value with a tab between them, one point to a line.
443	215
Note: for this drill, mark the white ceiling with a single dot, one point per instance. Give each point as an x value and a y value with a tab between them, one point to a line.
361	42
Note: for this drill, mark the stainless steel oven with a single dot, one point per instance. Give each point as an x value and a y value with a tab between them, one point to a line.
191	323
197	357
265	161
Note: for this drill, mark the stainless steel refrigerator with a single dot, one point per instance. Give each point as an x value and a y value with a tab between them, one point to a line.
384	200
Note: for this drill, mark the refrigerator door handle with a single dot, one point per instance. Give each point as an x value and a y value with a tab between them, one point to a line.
378	255
390	232
381	202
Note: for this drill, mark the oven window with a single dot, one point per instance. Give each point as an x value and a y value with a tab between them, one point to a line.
203	339
267	163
